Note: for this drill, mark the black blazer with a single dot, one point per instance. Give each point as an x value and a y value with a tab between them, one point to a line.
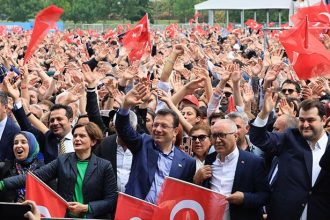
251	179
99	186
48	142
293	188
7	140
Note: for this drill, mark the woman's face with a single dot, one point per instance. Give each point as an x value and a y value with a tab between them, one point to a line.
149	122
200	142
190	115
21	147
81	140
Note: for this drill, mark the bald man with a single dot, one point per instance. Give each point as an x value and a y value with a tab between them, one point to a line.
239	175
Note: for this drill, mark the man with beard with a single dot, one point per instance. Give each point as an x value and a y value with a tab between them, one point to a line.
302	186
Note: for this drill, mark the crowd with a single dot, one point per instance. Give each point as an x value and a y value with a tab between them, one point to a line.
224	110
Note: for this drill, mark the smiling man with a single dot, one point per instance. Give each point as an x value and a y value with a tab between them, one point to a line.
155	156
302	186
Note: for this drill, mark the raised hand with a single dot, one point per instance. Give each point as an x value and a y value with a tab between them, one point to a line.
286	108
89	76
269	103
135	95
195	84
276	57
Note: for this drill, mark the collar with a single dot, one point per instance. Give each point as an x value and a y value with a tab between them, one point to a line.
321	143
230	156
161	152
68	136
3	122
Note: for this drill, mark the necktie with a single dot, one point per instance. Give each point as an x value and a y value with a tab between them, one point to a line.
62	147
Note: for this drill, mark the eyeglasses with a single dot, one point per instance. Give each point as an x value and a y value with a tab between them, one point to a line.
162	126
290	91
228	94
221	135
199	137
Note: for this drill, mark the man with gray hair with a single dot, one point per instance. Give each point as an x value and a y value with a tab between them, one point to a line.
243	141
8	130
235	173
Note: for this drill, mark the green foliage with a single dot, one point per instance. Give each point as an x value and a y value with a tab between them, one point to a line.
184	9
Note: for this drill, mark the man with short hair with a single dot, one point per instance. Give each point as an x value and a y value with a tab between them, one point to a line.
237	174
8	130
291	89
284	122
155	156
302	187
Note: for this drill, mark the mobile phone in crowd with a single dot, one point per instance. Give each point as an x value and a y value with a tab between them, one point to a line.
187	145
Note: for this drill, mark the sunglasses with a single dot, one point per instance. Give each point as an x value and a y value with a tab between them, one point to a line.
199	137
290	91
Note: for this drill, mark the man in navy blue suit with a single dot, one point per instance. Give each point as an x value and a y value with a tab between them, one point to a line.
237	174
8	129
155	156
302	187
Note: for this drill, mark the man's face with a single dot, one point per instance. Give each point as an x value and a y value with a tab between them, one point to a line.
162	131
280	124
289	90
59	123
223	145
311	124
242	130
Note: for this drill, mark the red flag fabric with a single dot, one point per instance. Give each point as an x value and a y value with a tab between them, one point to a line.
120	28
180	200
271	24
49	203
45	20
253	24
231	105
230	27
137	40
110	34
191	21
170	31
3	30
307	54
129	207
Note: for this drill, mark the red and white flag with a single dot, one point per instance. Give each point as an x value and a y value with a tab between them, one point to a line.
137	40
129	207
50	204
45	20
180	200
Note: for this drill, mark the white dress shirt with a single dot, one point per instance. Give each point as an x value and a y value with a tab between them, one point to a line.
68	143
124	164
2	126
223	174
199	163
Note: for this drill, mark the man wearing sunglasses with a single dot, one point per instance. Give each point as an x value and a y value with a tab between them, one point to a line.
291	89
237	174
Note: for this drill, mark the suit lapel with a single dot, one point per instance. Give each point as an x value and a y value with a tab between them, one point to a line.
177	165
92	164
152	158
239	171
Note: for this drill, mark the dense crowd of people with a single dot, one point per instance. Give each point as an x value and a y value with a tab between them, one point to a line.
224	110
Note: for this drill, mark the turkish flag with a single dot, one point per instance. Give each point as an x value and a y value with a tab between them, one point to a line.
49	203
110	34
306	52
137	40
170	31
253	24
129	207
180	200
45	20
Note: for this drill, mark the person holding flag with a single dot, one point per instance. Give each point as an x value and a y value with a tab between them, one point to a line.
86	181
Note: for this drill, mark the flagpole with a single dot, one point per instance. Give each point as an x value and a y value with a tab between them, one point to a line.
45	185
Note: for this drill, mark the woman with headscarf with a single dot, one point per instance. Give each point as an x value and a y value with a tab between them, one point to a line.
27	158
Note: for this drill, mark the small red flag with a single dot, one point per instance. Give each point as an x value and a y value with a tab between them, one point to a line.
137	40
230	27
231	105
182	200
129	207
45	20
170	31
49	203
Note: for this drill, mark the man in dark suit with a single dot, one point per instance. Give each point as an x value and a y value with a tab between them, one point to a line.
8	130
302	187
155	156
237	174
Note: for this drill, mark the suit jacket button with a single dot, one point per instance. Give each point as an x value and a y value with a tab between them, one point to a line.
310	192
303	204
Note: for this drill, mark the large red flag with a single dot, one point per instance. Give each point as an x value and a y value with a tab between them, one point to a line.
49	203
307	54
231	105
129	207
45	20
180	200
137	40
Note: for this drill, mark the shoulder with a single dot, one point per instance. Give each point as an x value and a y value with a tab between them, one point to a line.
101	162
179	153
